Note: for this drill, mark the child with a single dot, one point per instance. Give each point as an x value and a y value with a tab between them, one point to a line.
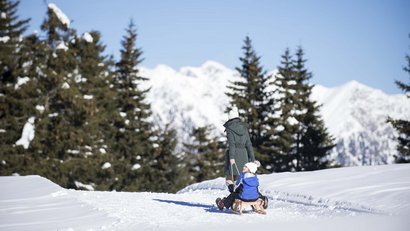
246	187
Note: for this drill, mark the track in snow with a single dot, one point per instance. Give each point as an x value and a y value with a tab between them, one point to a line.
197	208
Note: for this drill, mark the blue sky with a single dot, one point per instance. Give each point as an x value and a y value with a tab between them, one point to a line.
364	40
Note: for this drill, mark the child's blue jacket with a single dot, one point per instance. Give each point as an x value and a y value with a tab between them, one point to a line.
250	185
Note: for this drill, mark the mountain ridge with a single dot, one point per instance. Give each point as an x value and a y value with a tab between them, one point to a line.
354	113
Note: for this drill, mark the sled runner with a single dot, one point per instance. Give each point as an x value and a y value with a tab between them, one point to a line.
257	206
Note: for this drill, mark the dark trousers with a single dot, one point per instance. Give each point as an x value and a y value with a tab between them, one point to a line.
228	201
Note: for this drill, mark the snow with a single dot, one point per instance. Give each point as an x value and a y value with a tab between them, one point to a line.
60	15
190	96
40	108
74	152
4	39
88	97
62	46
28	133
106	165
21	81
355	198
89	187
65	85
293	121
55	114
136	166
3	15
292	82
27	64
354	114
87	37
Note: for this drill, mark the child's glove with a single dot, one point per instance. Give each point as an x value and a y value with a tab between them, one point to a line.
239	188
230	188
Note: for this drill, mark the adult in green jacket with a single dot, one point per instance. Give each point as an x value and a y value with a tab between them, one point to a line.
240	149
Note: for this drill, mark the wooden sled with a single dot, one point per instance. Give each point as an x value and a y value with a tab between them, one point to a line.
239	205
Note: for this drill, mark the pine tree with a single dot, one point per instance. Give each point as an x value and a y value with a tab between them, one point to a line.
11	33
313	143
24	59
134	135
170	172
204	155
94	77
403	126
52	98
299	138
13	111
283	128
59	132
250	95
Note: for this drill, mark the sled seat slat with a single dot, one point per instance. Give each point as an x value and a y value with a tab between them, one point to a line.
257	206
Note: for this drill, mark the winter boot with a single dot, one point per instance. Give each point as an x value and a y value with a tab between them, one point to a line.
220	203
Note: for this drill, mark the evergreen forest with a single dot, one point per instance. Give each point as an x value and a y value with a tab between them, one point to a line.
94	128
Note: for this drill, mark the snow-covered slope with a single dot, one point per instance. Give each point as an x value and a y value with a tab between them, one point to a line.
192	96
354	113
35	203
355	198
374	189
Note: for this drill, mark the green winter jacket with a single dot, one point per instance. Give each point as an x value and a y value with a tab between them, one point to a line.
239	146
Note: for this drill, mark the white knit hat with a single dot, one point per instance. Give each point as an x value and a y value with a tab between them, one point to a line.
233	113
252	167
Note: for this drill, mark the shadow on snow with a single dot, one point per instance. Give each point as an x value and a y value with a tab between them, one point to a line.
206	207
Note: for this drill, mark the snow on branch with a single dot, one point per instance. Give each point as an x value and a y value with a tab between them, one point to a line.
59	13
88	37
28	133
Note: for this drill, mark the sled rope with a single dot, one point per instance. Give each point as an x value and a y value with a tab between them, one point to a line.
233	179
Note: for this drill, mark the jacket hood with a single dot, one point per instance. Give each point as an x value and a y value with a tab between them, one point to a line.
251	180
236	126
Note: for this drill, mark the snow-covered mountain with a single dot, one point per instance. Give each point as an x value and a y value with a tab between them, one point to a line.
356	198
192	96
355	114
